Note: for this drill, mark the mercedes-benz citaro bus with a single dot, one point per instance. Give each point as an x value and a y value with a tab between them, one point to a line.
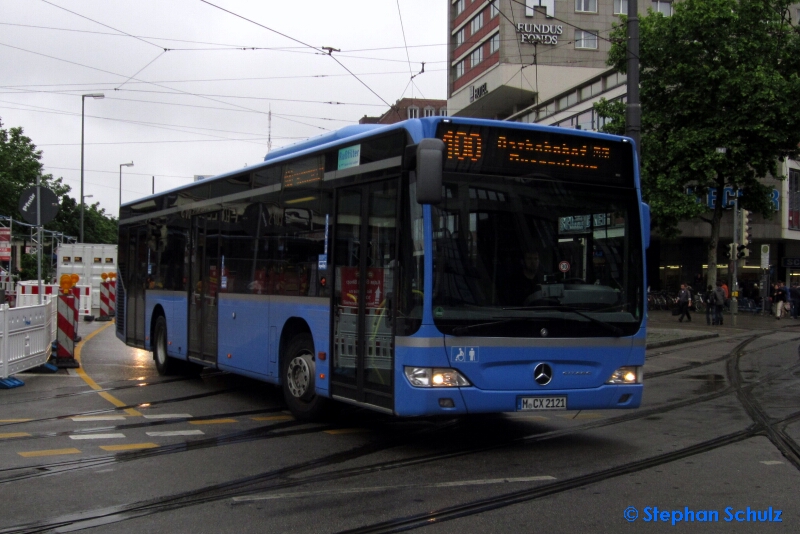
433	266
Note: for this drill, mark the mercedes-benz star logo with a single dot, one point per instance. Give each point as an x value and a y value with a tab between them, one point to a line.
543	374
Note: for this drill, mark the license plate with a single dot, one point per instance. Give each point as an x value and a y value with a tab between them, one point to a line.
543	403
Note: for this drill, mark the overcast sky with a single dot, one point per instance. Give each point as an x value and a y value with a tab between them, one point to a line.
200	107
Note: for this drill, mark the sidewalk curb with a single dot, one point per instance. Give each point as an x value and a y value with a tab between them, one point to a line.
678	341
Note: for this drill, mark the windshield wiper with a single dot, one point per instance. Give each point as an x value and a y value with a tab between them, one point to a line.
617	331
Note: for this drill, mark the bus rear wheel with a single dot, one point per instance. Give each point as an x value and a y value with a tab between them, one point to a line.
298	370
164	364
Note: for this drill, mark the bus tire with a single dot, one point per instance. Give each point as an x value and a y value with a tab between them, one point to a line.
298	370
164	364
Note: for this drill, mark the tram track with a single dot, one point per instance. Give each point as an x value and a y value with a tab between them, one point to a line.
142	424
140	385
54	468
277	479
121	408
777	435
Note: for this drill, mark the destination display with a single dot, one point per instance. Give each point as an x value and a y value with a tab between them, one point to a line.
512	152
304	172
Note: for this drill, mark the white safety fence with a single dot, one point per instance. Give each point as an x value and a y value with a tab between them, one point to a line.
26	336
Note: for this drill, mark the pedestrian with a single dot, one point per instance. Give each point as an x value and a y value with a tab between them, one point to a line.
794	295
684	301
709	296
779	299
719	302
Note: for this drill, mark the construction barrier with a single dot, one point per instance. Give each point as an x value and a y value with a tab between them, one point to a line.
112	297
25	340
105	302
65	348
28	295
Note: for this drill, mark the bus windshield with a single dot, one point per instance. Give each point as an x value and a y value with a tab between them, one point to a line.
536	257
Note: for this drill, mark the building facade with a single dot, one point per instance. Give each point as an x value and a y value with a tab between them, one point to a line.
409	108
544	61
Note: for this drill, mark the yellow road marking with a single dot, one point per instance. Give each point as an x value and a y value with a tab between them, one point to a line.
273	418
14	435
92	384
346	431
15	420
212	421
130	447
51	452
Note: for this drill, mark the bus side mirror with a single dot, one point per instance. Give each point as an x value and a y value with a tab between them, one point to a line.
646	225
430	155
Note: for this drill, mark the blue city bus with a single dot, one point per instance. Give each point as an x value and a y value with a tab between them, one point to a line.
433	266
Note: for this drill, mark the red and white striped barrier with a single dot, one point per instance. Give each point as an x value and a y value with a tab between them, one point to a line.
65	348
28	295
112	297
105	301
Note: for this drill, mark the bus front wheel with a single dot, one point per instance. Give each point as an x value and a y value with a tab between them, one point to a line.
297	373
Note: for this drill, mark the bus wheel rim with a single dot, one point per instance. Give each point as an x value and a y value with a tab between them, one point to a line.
298	375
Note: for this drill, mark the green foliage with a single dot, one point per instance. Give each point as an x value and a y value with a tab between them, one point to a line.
716	74
615	112
19	167
28	267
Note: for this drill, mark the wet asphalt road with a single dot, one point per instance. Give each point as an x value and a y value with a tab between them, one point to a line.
116	448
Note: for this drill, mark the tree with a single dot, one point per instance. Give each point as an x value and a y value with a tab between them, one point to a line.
716	74
19	167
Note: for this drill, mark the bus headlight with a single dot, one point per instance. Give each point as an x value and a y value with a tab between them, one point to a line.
427	377
627	375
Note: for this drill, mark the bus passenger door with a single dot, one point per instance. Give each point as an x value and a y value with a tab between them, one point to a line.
203	288
365	251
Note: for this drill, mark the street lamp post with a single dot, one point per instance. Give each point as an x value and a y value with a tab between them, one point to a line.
83	105
120	184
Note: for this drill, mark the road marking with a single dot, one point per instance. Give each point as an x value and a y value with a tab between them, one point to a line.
273	418
99	418
97	436
129	447
168	433
270	496
212	421
14	435
15	420
169	416
92	384
771	462
51	452
346	431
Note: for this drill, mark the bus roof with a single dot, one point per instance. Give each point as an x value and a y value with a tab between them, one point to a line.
416	128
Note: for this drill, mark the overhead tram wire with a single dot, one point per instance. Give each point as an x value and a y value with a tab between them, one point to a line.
104	25
172	128
320	50
170	90
232	46
99	85
405	43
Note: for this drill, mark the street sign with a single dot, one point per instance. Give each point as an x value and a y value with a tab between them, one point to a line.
27	205
765	256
